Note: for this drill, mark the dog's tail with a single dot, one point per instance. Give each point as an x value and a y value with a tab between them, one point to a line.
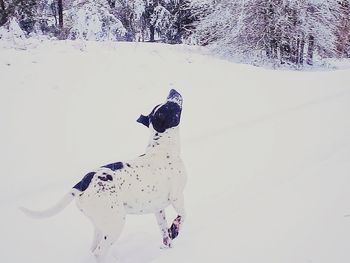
63	203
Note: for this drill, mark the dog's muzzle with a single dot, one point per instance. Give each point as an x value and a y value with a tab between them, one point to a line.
176	97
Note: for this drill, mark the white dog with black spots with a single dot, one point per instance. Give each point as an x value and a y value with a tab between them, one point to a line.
147	184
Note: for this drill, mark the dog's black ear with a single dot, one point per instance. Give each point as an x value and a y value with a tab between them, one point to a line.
144	120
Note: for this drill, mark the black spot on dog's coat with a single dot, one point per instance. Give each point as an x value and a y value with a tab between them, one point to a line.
107	177
114	166
85	182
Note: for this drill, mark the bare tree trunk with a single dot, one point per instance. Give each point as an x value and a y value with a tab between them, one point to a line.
3	13
2	5
310	50
151	29
282	54
54	12
301	51
292	50
267	51
60	13
274	49
297	52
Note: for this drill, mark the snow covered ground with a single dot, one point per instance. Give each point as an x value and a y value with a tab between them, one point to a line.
267	152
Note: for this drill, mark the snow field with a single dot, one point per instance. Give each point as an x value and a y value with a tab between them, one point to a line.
267	152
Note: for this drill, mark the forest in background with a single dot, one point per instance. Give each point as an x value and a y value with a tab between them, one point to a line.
283	32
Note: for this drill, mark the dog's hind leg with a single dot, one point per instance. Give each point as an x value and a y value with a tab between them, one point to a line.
163	226
179	206
111	228
96	239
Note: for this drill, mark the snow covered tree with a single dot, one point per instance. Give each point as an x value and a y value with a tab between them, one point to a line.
271	30
3	17
181	25
307	27
26	11
167	21
143	18
161	21
219	20
155	20
47	17
94	20
23	10
343	29
131	13
2	5
12	32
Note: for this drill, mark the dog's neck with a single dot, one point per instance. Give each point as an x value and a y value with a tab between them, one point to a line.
165	143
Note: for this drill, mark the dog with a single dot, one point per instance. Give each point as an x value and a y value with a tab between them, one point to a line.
147	184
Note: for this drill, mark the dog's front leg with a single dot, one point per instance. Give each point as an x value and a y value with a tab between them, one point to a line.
163	225
178	204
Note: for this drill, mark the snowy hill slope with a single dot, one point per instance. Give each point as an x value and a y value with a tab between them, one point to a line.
267	152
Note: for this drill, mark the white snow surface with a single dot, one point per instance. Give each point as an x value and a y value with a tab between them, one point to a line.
267	153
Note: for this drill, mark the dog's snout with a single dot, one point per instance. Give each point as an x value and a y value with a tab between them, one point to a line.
173	92
175	96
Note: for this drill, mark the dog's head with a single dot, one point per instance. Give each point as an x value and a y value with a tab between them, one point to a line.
164	116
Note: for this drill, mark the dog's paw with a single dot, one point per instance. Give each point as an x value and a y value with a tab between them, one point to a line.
175	228
164	247
166	243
